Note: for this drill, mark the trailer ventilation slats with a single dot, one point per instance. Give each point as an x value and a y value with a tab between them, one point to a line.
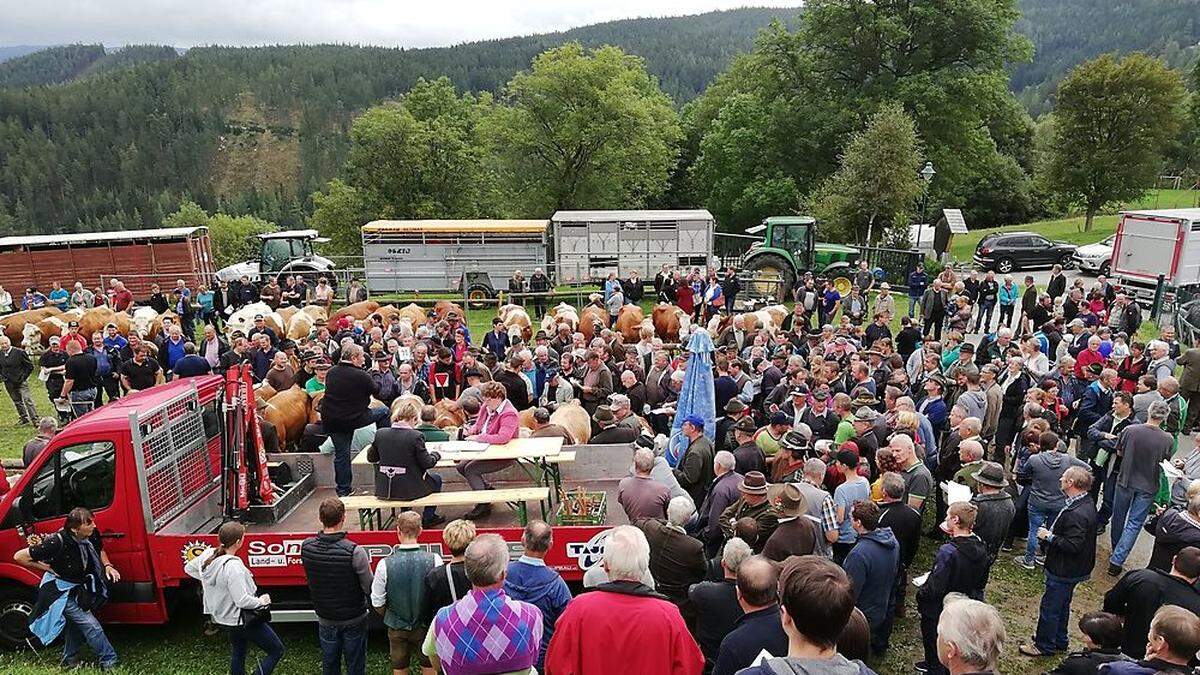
174	465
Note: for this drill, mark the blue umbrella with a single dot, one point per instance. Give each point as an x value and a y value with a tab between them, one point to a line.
696	396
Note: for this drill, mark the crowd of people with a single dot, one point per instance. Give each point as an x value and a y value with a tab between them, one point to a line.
792	525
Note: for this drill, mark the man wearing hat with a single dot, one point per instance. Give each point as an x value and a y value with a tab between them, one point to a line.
695	469
747	455
789	461
752	503
995	504
794	534
793	407
818	415
864	435
610	431
734	410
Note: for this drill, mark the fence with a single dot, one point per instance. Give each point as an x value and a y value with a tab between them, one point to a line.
896	263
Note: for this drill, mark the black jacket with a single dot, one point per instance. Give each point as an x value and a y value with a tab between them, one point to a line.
64	556
995	515
348	392
960	566
1087	662
516	388
1173	531
754	632
403	462
905	522
615	434
1138	595
328	561
717	612
1071	553
748	457
230	359
15	366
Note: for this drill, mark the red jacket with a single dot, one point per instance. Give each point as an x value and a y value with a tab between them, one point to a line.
622	627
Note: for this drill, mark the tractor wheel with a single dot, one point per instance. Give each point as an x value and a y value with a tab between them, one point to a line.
16	604
773	275
478	296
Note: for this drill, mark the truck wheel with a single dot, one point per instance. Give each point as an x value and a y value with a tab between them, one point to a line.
16	604
773	275
1005	265
478	296
1105	268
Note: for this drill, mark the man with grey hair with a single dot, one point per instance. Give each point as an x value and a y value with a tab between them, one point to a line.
821	508
639	494
644	632
716	603
531	580
1143	447
513	628
15	368
1161	364
677	560
623	414
47	427
970	636
905	522
1168	388
722	492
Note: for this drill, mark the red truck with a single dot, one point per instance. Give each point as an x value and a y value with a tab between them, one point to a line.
160	256
153	467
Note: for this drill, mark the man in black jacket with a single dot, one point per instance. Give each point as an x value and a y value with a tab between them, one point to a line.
404	464
905	522
960	566
339	581
716	602
539	283
346	407
15	368
1139	594
1070	547
74	555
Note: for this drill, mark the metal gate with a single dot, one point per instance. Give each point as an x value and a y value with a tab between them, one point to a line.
173	463
896	263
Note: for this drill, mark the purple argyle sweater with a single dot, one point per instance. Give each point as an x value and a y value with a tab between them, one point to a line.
487	632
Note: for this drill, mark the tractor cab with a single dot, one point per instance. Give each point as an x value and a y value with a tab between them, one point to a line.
282	253
792	235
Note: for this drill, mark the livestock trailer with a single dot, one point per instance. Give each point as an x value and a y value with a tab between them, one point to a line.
1157	242
139	258
432	255
590	244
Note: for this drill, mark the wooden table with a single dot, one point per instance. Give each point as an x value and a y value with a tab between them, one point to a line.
531	454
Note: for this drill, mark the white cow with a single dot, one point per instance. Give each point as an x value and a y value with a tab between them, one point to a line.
243	319
561	313
142	318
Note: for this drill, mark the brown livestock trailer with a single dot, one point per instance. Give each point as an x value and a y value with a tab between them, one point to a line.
138	258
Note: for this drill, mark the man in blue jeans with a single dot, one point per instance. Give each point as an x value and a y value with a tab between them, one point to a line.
339	581
72	561
1142	447
1070	545
346	407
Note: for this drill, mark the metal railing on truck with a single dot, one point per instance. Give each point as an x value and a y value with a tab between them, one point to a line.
170	448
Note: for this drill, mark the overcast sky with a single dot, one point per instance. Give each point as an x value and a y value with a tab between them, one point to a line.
408	23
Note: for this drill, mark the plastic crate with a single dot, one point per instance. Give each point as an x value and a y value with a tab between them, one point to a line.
582	507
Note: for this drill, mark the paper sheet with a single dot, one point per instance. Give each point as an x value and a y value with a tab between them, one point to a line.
1170	470
920	581
456	447
956	492
761	658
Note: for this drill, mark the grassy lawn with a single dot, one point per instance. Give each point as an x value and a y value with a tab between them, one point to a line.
1071	229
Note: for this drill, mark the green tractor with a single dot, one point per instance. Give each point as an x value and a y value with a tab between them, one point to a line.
788	249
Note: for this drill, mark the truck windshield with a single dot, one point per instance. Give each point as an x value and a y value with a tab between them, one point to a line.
77	475
275	254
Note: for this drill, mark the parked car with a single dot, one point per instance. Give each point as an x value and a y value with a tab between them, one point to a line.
1010	251
1096	258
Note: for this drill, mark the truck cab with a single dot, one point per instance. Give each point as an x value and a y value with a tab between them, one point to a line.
280	254
135	471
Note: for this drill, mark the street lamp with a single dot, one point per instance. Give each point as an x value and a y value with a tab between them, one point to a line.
927	173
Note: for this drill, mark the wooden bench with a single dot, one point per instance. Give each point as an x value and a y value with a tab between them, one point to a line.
370	508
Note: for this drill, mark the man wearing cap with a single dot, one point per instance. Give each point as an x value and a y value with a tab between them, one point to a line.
788	466
261	327
818	416
752	503
864	435
1143	447
695	469
794	534
622	412
73	335
995	505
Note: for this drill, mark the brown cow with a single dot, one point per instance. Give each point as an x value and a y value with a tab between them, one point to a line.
444	307
449	414
156	326
589	318
300	326
289	411
315	311
572	417
358	311
286	314
414	313
516	320
629	322
387	312
666	321
264	392
95	319
525	418
14	324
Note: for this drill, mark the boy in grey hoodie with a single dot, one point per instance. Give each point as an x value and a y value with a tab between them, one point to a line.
817	599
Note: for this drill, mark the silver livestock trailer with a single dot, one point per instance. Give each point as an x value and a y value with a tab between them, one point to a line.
436	255
590	244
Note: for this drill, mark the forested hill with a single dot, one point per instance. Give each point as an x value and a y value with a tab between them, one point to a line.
55	65
257	129
1066	33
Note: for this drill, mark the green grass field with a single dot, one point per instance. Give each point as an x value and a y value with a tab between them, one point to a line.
1071	229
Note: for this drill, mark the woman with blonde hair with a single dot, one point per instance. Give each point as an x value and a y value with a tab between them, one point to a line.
230	598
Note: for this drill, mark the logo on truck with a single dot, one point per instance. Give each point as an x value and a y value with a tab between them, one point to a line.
192	550
590	554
